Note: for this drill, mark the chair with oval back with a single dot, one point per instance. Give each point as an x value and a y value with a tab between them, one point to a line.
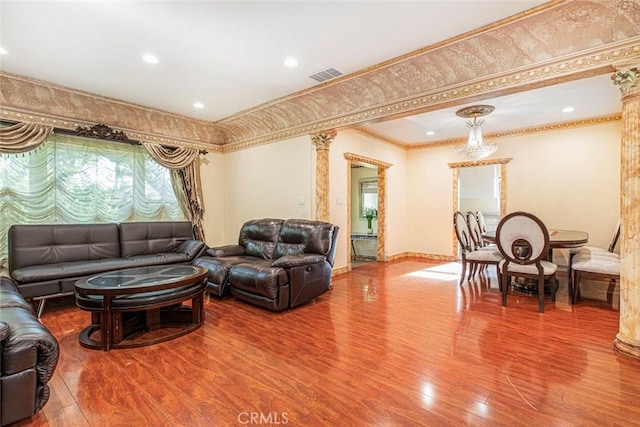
481	221
469	252
475	230
523	241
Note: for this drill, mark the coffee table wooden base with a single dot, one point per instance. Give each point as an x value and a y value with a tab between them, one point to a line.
128	329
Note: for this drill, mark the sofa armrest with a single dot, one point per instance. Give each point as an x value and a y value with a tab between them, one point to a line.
29	343
298	260
4	333
229	250
190	247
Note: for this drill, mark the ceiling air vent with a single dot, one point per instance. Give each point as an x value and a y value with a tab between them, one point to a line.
326	74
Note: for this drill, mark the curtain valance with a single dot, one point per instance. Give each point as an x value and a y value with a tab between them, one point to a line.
22	137
172	158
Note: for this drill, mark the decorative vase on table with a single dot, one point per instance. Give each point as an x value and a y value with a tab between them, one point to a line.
370	213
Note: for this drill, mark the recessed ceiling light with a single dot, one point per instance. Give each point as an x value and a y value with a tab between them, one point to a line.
198	105
3	52
151	59
568	109
430	133
291	62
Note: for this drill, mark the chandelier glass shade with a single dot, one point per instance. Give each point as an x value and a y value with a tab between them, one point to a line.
475	148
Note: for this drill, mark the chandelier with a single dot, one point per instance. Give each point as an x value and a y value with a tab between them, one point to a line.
475	148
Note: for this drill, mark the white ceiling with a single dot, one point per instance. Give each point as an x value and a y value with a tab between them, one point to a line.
229	54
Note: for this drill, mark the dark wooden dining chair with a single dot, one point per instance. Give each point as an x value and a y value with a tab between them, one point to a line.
472	255
523	241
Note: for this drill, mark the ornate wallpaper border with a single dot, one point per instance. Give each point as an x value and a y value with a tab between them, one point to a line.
62	123
556	42
529	52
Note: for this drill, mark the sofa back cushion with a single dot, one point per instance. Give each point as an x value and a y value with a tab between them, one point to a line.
58	243
147	238
301	236
260	237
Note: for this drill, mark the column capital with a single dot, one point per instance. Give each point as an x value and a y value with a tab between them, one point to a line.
628	79
323	139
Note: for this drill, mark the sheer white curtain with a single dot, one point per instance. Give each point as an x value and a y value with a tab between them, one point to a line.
79	180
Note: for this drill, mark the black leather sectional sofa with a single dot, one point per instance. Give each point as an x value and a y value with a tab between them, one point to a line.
28	357
277	264
45	261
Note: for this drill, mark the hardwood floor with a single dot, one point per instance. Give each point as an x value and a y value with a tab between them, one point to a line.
397	344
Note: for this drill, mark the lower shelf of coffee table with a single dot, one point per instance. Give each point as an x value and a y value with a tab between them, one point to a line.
141	328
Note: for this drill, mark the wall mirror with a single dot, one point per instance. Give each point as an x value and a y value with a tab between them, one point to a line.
368	194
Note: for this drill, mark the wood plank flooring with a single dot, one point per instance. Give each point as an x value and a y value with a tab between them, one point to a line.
397	344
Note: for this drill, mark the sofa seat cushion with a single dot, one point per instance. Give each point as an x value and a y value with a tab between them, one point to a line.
38	273
258	278
218	268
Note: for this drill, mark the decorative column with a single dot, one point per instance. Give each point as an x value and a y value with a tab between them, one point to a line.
322	141
628	338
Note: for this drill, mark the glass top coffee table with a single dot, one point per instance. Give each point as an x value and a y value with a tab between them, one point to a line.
141	306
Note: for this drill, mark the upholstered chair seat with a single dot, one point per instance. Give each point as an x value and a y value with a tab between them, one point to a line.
594	266
548	268
485	256
597	265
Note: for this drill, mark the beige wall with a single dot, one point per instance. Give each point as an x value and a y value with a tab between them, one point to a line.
569	178
268	181
213	194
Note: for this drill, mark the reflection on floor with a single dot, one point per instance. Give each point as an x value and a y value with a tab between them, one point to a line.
392	344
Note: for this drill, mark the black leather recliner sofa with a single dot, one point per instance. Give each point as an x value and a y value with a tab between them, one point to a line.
45	261
277	264
28	357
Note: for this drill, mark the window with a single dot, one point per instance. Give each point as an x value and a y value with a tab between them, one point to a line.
78	180
368	194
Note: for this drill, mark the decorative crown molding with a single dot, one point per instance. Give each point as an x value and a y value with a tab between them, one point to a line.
483	162
362	159
521	132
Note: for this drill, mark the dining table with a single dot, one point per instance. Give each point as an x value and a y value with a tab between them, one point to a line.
558	239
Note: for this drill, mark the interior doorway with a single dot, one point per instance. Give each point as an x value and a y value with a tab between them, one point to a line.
364	213
367	182
479	191
494	181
